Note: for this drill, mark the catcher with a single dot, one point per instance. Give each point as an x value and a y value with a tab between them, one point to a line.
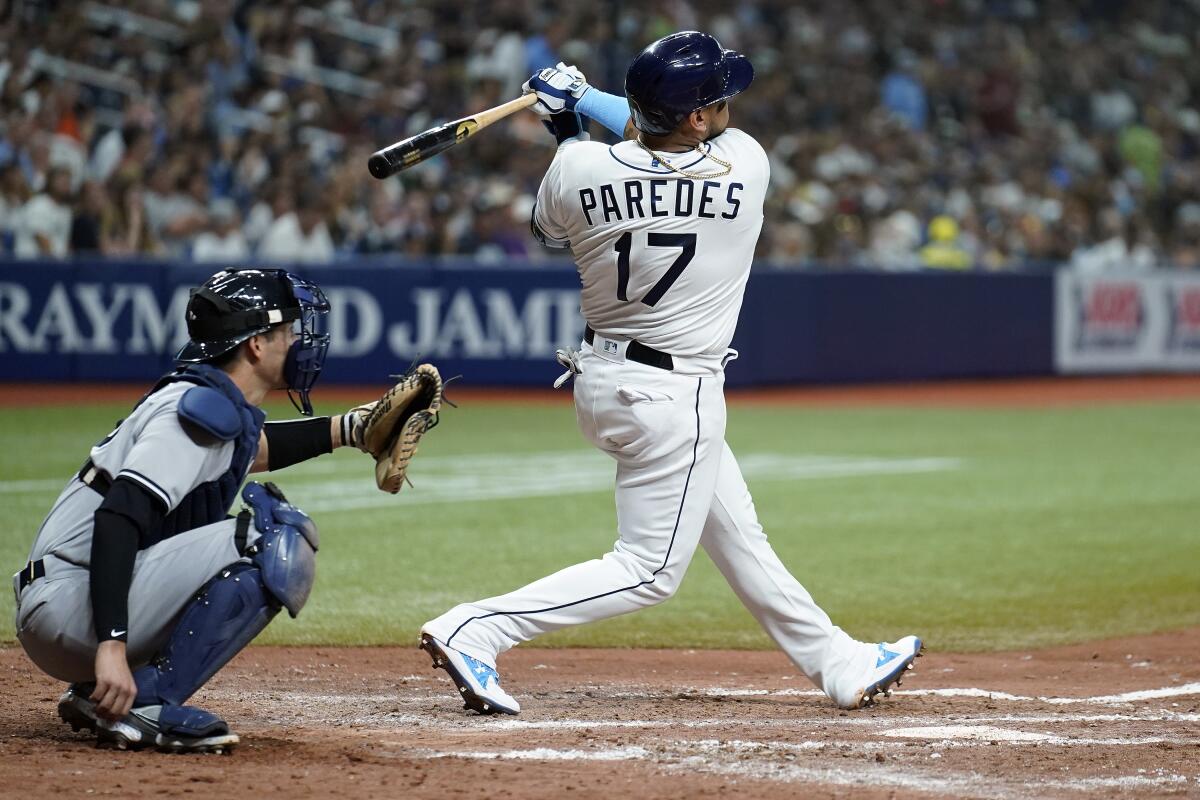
139	586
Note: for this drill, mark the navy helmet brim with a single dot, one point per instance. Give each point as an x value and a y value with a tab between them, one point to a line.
739	74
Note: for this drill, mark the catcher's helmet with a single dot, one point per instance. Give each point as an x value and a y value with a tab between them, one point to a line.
235	304
679	74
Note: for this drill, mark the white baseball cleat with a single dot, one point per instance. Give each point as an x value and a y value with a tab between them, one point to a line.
478	683
884	664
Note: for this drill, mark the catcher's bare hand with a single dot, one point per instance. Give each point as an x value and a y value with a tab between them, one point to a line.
115	688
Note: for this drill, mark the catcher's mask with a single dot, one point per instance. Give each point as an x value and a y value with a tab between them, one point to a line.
235	304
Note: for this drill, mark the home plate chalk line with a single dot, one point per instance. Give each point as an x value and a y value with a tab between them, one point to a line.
1108	699
914	744
320	708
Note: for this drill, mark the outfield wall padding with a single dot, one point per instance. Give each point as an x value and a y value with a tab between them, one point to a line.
499	325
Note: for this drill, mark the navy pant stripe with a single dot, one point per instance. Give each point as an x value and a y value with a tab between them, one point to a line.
666	558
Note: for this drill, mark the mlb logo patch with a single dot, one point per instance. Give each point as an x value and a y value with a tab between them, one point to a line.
610	346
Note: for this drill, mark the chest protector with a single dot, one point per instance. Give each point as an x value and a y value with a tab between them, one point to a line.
210	502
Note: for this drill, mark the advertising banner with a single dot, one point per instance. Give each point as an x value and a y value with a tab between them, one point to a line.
108	321
500	325
1127	323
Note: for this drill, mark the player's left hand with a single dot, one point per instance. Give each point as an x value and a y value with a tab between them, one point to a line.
393	425
558	89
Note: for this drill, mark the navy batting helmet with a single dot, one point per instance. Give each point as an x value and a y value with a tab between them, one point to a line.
679	74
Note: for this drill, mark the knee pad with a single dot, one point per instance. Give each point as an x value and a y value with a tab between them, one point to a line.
286	548
225	616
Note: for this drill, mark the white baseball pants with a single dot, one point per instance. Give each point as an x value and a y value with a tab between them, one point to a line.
677	486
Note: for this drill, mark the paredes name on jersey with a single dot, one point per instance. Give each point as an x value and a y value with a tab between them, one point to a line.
641	199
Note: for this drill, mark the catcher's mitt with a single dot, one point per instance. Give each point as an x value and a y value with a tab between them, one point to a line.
395	423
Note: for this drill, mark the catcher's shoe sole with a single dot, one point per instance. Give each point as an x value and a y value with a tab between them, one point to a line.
883	685
80	713
123	736
471	699
77	711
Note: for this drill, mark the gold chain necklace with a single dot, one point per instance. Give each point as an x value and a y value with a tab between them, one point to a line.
694	176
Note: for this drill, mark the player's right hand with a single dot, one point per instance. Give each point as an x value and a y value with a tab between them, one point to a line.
115	687
558	89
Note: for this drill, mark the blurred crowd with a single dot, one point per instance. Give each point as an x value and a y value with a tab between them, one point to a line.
952	134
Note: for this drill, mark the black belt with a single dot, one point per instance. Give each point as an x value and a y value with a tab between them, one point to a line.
33	570
95	478
636	351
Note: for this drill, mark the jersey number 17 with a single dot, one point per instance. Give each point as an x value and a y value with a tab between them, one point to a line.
685	241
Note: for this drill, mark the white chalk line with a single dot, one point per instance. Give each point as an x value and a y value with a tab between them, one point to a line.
472	724
30	486
1111	699
388	712
775	760
729	758
633	753
340	485
307	698
953	735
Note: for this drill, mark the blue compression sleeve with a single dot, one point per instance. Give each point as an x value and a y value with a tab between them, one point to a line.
609	110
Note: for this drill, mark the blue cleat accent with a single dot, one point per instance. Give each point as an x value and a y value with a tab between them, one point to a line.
893	660
885	655
478	683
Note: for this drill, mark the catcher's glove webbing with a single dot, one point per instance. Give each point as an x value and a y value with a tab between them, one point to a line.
394	424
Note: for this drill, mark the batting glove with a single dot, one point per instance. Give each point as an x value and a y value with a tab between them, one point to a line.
558	89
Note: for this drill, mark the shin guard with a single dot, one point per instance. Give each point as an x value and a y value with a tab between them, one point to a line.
226	615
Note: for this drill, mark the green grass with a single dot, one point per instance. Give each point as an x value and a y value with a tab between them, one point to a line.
1059	525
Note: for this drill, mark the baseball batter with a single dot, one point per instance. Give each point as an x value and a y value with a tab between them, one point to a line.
663	228
139	587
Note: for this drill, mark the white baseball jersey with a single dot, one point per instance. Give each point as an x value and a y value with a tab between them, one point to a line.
663	258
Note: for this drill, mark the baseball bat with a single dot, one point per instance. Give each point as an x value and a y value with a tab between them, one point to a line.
415	149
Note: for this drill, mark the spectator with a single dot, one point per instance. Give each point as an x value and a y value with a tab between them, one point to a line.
1023	121
1113	252
224	241
14	193
176	204
894	240
88	219
125	229
384	232
123	152
43	228
277	202
298	236
943	250
902	93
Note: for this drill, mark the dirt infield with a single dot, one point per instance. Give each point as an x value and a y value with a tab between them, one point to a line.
960	394
1117	718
